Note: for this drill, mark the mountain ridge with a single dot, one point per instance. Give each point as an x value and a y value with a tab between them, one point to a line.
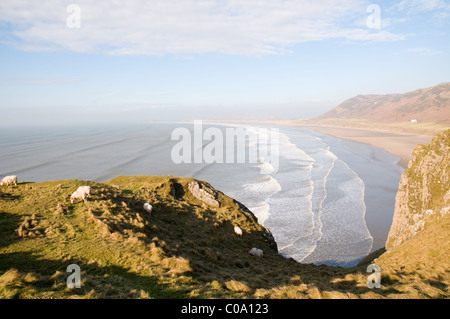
430	104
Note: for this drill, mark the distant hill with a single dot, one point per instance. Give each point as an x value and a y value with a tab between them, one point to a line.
427	105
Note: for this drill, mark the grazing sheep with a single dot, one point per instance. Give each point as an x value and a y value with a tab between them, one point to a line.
238	231
85	189
82	192
9	180
256	252
148	208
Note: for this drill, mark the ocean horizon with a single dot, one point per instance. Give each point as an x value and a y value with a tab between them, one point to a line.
329	201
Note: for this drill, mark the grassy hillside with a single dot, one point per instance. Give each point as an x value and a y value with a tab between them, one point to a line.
183	249
422	264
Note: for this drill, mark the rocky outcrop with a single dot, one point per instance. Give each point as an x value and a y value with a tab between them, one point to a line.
209	196
424	190
204	193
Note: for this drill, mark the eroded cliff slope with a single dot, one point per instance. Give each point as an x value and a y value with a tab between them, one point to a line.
423	190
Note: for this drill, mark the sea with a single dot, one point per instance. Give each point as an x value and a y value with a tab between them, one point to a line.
325	200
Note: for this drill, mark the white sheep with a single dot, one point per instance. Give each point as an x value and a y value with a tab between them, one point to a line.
82	192
9	180
148	208
256	252
238	230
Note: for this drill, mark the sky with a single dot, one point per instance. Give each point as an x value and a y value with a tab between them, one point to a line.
134	61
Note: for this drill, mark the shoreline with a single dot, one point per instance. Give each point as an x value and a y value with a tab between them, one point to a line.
399	144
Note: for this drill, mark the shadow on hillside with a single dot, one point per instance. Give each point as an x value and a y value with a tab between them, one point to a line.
8	196
176	189
215	253
50	276
8	225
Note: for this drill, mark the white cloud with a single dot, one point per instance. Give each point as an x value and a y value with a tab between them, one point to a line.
251	27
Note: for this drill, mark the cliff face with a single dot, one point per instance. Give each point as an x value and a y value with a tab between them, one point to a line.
423	190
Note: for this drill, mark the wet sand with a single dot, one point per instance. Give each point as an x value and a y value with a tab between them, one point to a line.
398	144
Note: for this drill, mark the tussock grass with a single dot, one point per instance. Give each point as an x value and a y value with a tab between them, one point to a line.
183	249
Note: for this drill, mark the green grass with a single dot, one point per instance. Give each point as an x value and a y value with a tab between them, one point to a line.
184	249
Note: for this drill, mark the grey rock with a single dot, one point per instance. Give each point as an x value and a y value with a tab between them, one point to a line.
204	193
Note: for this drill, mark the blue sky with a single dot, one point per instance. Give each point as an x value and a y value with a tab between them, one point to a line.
135	61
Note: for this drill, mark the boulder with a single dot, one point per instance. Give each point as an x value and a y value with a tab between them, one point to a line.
204	193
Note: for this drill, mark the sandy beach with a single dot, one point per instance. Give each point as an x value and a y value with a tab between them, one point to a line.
398	144
378	217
